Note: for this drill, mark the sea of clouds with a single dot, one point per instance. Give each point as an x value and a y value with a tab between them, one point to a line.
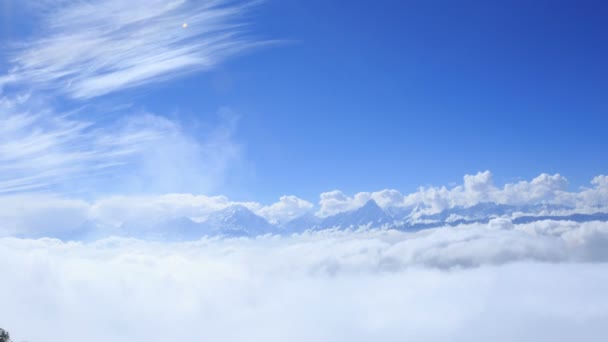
544	281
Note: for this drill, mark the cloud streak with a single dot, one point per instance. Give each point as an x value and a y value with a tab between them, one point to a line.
95	47
85	49
41	149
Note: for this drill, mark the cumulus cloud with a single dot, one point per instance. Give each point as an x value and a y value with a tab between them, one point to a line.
545	187
90	48
475	189
595	197
480	188
336	201
286	209
543	281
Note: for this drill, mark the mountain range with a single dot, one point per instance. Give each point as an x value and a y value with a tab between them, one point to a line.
239	221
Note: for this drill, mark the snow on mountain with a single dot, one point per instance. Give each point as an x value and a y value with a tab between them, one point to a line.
476	212
300	224
237	221
369	215
232	221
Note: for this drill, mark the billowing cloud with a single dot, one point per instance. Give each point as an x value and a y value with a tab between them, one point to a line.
596	197
543	281
477	188
480	188
89	48
336	201
286	209
542	188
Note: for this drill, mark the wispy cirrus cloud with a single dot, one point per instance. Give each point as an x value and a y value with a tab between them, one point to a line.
41	149
87	48
95	47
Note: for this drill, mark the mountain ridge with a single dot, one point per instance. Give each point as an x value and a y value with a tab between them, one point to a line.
240	221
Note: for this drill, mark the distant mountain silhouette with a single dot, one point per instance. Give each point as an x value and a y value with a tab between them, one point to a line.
370	215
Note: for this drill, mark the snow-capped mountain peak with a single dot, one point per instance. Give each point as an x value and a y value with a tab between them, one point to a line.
237	220
370	215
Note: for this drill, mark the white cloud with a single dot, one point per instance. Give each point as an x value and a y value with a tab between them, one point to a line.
42	149
336	201
286	209
550	189
39	148
542	188
594	198
477	188
90	48
600	181
94	47
388	198
117	210
480	188
434	285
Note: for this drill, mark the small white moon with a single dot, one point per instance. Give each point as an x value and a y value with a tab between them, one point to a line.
185	25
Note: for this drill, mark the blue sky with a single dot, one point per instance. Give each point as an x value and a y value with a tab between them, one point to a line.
369	95
401	93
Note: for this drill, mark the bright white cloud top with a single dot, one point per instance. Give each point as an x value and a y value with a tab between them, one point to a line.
540	281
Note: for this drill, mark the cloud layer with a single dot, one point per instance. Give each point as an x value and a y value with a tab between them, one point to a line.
476	283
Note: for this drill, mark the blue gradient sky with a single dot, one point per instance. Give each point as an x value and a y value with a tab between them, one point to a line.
393	94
